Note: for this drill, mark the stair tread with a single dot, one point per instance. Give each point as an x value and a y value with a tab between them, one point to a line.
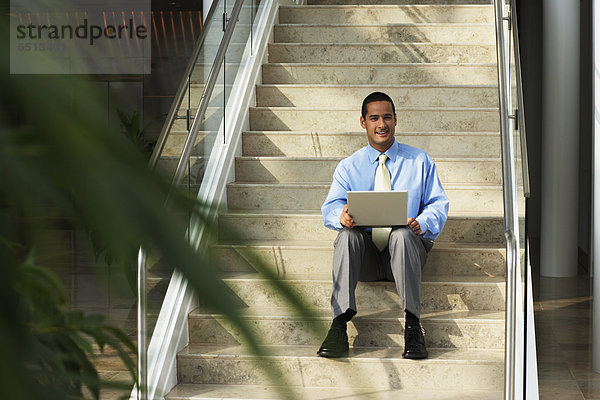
152	276
357	354
389	25
325	244
386	65
263	392
370	85
304	185
369	7
385	44
363	134
471	316
182	132
472	280
338	108
320	158
316	213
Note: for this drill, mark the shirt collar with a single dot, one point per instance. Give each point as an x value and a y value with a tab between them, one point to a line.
392	152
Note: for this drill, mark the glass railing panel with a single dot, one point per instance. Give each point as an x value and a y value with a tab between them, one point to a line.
518	126
521	175
237	56
205	130
257	6
158	273
519	205
188	98
154	274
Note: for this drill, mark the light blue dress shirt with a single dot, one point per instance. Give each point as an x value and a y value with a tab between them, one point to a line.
411	170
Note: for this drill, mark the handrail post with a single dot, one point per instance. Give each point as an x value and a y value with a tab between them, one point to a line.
142	356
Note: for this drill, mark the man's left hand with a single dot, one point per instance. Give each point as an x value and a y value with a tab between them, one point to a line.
414	225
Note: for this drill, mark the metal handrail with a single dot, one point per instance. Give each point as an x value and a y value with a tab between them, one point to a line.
511	222
509	200
142	356
520	101
142	392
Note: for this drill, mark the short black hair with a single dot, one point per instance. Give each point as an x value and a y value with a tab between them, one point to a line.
376	96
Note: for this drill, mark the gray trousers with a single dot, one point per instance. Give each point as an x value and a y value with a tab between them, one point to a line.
356	258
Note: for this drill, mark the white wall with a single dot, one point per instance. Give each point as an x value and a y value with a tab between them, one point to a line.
560	144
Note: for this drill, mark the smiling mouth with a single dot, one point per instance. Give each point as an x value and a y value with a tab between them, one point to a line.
381	133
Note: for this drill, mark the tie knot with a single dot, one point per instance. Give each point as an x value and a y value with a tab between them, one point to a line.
382	158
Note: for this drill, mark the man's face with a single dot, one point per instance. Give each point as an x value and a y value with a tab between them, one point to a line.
380	123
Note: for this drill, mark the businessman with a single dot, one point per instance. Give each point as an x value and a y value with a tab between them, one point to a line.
395	253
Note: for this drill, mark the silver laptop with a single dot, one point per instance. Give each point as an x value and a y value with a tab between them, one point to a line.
374	208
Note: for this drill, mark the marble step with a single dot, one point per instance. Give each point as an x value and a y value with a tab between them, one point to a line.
211	121
219	96
485	171
236	51
380	369
343	144
286	225
413	119
439	293
202	69
176	140
316	170
262	392
240	34
156	287
268	95
247	9
381	74
391	32
370	328
290	196
361	13
315	257
381	52
243	24
167	165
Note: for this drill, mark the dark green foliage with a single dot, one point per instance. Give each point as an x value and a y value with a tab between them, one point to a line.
61	339
60	165
131	128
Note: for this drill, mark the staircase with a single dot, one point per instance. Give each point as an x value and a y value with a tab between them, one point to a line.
437	62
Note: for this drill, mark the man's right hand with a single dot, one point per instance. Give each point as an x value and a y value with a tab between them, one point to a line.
345	218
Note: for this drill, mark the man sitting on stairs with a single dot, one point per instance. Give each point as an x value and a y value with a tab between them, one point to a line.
393	254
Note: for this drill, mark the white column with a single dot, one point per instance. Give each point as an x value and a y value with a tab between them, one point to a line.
560	139
596	194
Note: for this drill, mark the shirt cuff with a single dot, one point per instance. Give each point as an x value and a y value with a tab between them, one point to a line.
423	224
334	218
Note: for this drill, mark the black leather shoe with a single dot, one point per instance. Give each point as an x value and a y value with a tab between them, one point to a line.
414	343
335	344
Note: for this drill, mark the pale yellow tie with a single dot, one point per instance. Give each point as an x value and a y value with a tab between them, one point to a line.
382	183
